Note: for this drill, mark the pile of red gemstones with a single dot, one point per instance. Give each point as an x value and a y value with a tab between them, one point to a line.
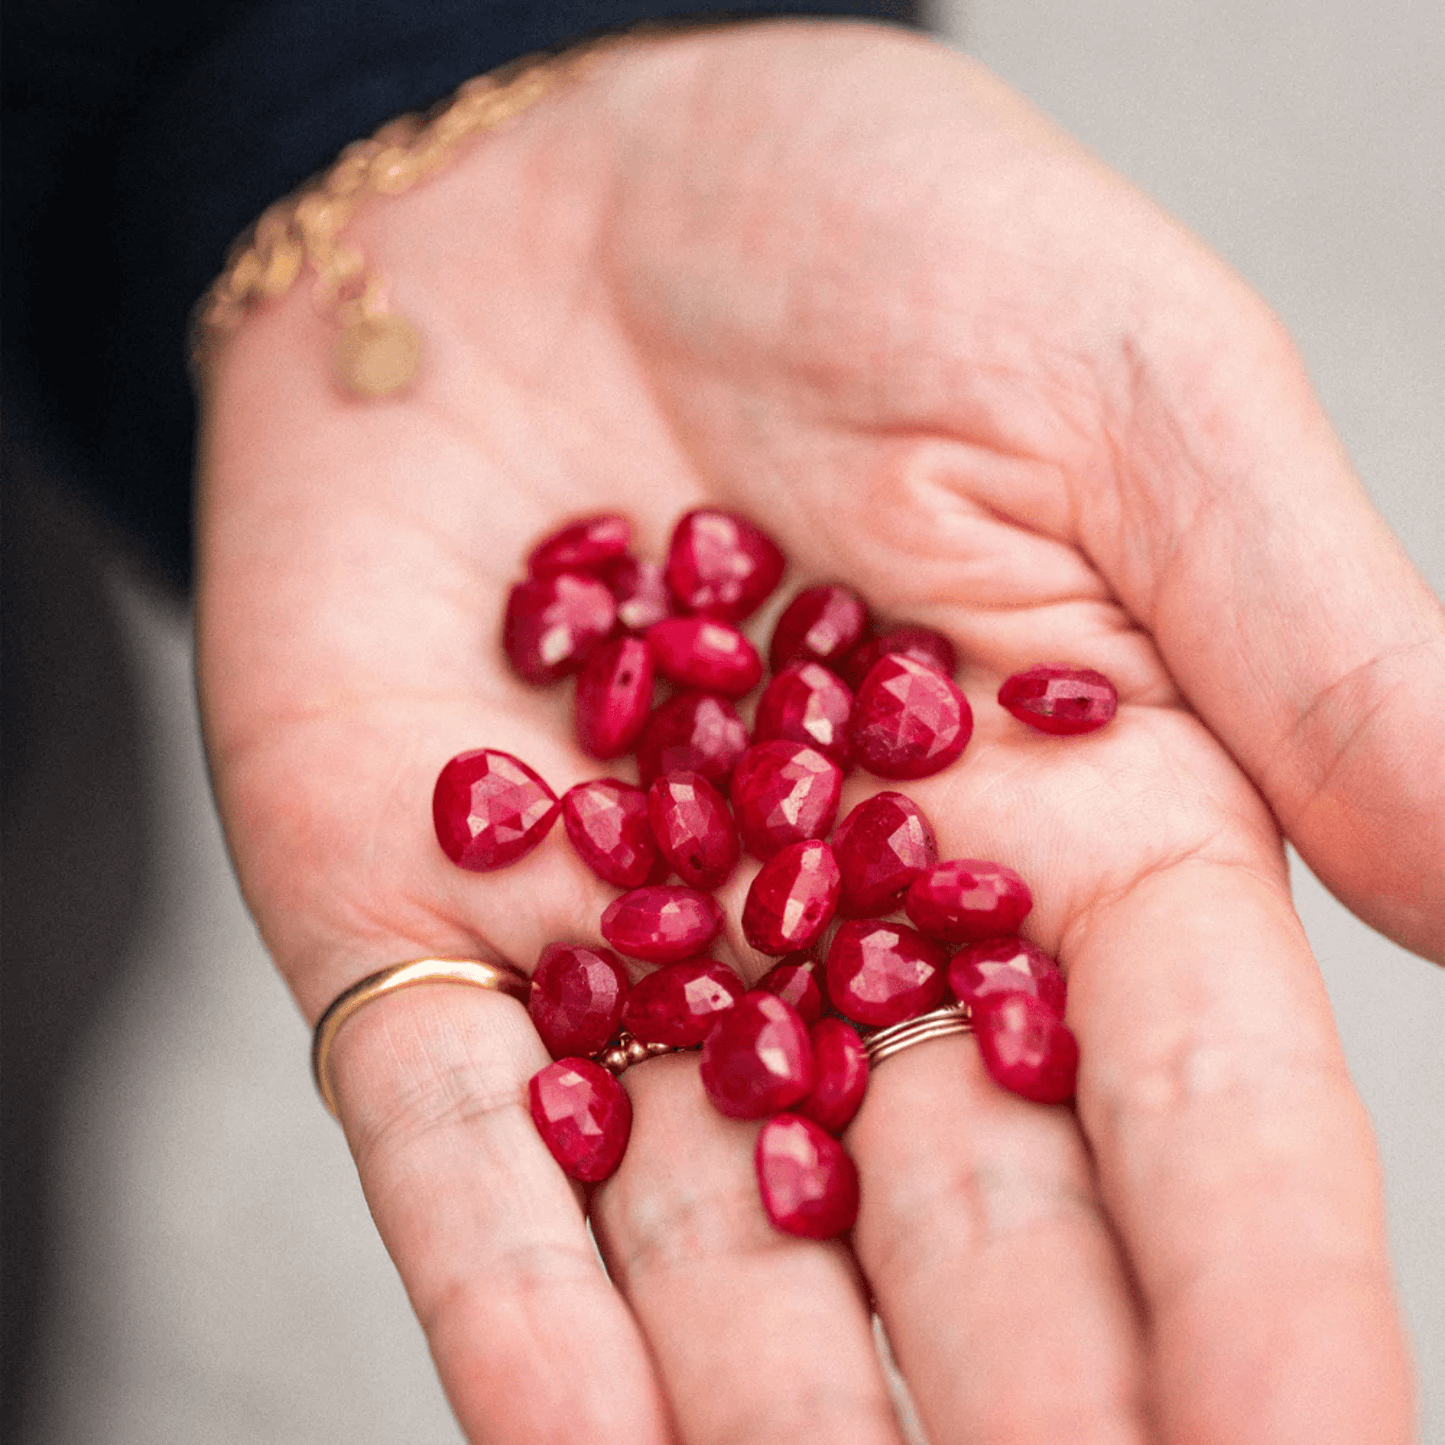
829	901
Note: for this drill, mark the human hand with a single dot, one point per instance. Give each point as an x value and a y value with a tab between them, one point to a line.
843	282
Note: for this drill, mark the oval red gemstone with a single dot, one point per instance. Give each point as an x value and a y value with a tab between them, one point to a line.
693	828
581	546
720	564
821	624
552	623
922	644
583	1115
1006	965
783	792
806	703
795	980
693	732
792	899
967	898
614	697
704	653
909	720
678	1004
662	924
490	808
606	820
757	1059
881	847
840	1075
640	590
576	999
881	973
1026	1047
1059	699
808	1184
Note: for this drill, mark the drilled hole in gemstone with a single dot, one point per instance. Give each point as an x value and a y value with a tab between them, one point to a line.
1059	699
614	697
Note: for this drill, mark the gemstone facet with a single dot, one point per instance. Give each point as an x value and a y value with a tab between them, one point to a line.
881	973
693	828
909	720
922	644
965	899
702	652
693	732
807	704
614	697
808	1184
1006	965
821	624
552	623
678	1004
606	821
583	1115
720	564
662	924
795	980
881	847
757	1058
576	999
783	792
792	899
1026	1047
1058	699
490	808
840	1075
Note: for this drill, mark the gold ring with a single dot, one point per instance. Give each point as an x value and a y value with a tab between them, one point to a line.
402	975
882	1044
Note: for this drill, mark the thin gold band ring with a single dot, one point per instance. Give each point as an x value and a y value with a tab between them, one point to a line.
939	1024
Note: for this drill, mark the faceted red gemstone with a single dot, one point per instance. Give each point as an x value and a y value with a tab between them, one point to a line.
922	644
581	547
606	819
490	808
678	1004
640	590
909	720
1060	699
881	847
792	899
840	1075
552	623
1006	965
756	1059
576	999
966	898
694	732
694	829
662	924
783	792
614	697
583	1115
807	704
881	973
821	624
704	653
795	980
1026	1047
720	564
809	1185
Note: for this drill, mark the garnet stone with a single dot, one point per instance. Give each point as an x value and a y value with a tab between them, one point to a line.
795	980
783	792
1006	965
807	704
1026	1047
694	829
909	720
614	697
881	973
662	924
606	820
922	644
704	653
583	1115
720	564
576	999
808	1184
793	899
490	808
821	624
757	1059
694	732
965	899
678	1004
881	847
581	547
840	1075
1059	699
552	623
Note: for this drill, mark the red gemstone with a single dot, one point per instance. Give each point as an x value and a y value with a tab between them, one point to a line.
922	644
756	1059
704	653
694	732
552	623
678	1004
614	697
606	819
694	829
1026	1047
583	1115
881	973
792	899
576	999
662	924
840	1075
1006	965
640	590
581	547
881	847
1060	699
795	980
821	624
490	808
909	720
783	792
966	898
720	564
809	1185
807	704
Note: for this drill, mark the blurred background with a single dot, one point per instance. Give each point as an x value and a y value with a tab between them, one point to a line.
189	1258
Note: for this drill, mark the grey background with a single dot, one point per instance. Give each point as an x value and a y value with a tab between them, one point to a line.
215	1277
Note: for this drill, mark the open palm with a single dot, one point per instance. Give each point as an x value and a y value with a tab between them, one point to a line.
841	281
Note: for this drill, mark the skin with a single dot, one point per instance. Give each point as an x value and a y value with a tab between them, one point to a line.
842	281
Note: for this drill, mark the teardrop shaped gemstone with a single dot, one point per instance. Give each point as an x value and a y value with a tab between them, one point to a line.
583	1115
489	809
808	1184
